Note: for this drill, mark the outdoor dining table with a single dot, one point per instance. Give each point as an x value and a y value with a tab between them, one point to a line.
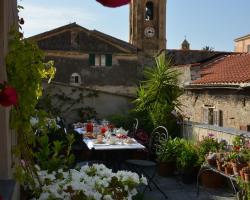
113	154
106	146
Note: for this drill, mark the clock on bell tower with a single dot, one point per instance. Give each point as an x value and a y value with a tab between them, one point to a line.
148	25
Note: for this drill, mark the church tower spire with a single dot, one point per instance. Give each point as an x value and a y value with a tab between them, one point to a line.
148	25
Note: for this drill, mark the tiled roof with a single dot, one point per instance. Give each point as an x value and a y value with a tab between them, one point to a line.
231	69
107	38
184	57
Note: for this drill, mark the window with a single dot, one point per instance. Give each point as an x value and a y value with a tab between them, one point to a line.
212	116
149	11
75	79
248	48
100	60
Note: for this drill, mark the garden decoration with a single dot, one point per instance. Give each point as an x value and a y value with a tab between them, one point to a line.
113	3
8	95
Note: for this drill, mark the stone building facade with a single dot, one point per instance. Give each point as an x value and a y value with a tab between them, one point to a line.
217	96
89	58
242	44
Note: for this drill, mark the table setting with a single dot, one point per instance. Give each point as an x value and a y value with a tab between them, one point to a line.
105	136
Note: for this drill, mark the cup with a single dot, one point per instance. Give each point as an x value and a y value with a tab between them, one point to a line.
89	127
99	138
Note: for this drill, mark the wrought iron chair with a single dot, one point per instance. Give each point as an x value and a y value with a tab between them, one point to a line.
139	166
132	132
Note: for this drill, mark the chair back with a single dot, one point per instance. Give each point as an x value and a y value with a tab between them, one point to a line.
158	134
134	128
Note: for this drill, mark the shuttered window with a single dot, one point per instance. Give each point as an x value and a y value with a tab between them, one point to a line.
212	116
205	115
220	118
108	59
103	60
216	117
100	60
91	59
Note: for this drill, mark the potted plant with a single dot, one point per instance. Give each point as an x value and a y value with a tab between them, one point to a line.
166	155
207	151
238	161
246	172
187	161
208	146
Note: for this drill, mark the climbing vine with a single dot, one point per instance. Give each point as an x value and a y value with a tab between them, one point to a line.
26	70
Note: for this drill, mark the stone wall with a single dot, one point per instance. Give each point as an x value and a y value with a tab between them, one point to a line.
105	103
124	70
234	104
235	107
197	131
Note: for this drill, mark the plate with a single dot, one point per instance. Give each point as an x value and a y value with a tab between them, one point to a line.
101	144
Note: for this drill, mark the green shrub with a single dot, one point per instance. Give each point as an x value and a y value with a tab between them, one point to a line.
208	144
159	92
167	150
52	150
187	155
120	120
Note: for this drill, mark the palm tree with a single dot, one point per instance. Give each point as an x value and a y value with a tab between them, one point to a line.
158	93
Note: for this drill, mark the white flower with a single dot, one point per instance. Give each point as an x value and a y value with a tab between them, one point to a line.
93	186
144	180
44	196
107	197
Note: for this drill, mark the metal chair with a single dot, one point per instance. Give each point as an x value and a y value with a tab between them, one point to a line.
139	166
134	128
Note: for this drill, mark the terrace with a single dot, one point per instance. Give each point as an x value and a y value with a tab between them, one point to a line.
51	155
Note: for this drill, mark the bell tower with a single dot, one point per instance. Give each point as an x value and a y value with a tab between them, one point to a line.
148	25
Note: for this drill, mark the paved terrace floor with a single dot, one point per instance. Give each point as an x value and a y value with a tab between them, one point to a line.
176	190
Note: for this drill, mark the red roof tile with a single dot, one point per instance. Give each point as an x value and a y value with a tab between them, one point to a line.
229	69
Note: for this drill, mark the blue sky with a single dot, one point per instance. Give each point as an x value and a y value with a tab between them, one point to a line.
214	23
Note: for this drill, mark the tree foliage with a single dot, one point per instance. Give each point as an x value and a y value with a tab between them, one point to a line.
158	93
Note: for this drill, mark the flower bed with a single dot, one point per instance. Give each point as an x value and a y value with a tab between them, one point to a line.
89	182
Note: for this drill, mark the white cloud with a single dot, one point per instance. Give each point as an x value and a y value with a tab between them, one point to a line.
41	18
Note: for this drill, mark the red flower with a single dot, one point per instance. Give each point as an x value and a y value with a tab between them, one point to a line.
103	130
8	96
113	3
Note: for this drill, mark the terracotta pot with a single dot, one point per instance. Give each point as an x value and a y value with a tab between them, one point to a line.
237	167
242	175
247	177
229	170
166	168
211	179
211	162
219	165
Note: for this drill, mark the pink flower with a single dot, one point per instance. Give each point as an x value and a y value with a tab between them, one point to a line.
113	3
210	135
8	96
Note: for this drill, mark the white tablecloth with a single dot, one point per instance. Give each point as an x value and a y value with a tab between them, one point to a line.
91	145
